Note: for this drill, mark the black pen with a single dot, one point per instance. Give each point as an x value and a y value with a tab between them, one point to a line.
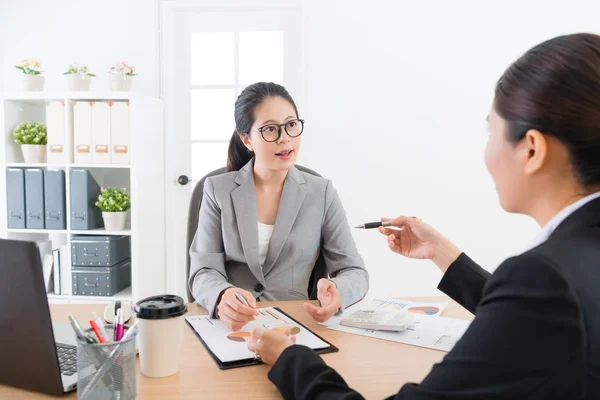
373	225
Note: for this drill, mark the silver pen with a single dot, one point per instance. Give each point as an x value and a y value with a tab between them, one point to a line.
373	225
244	302
76	327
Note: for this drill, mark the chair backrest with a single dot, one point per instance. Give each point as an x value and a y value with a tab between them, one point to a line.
319	271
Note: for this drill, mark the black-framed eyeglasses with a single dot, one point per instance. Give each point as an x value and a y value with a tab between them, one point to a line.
272	132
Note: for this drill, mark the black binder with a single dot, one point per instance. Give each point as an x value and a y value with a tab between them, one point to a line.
84	193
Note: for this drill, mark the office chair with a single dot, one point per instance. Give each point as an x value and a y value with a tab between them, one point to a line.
319	271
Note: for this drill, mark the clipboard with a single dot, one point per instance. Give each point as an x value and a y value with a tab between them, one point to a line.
255	361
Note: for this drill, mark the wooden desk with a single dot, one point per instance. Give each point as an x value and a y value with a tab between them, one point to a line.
376	368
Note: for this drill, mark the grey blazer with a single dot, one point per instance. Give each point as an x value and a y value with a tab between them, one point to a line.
225	250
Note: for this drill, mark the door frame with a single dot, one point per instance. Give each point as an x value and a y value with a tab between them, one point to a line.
175	263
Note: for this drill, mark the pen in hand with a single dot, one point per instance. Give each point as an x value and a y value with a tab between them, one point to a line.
373	225
244	302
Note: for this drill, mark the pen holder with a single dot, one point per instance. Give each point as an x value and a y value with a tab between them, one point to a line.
106	371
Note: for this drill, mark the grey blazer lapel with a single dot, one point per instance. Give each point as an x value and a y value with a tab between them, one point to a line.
244	204
290	203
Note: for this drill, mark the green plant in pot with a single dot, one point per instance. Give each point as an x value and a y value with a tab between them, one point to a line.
33	80
78	77
114	203
32	137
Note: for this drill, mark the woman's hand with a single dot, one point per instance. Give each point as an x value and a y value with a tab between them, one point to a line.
416	239
330	298
233	312
269	344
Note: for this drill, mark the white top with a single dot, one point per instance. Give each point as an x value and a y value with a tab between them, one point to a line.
264	237
560	217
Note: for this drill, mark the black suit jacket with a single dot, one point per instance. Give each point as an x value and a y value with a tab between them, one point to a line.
536	332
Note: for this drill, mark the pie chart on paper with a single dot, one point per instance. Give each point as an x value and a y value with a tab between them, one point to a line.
426	310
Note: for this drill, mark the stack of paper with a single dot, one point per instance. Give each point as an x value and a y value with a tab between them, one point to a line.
428	329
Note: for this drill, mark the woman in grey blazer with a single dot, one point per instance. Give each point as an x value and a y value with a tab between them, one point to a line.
263	224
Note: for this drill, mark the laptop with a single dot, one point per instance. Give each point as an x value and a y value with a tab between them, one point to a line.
36	353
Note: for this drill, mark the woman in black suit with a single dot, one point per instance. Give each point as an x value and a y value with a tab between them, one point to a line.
536	332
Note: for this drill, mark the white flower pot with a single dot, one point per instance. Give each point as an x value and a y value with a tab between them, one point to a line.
79	82
33	83
114	221
121	83
34	153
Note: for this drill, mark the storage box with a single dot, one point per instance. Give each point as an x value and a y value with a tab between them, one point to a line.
105	251
101	281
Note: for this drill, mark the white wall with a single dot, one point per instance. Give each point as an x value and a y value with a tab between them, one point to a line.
396	99
396	95
97	33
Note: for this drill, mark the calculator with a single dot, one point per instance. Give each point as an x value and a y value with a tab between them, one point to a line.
379	320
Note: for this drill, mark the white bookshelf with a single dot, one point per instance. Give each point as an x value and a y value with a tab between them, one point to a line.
44	97
68	165
143	177
99	231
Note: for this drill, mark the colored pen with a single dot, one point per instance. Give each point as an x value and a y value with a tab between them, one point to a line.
100	326
244	302
96	331
76	327
373	225
115	325
90	338
119	325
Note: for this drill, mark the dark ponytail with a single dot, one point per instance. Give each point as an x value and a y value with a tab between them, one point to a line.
555	88
238	155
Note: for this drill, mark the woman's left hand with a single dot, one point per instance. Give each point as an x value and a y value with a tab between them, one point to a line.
330	298
269	344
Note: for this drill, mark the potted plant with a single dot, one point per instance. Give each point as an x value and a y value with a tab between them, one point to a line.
121	76
78	77
114	204
33	80
32	137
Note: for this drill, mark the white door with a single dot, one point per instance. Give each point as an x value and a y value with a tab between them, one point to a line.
209	57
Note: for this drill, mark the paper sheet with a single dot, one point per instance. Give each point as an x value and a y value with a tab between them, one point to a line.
437	333
428	330
230	346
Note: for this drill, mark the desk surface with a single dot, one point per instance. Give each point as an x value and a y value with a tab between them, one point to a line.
376	368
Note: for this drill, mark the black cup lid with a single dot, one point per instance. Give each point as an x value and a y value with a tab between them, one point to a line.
160	307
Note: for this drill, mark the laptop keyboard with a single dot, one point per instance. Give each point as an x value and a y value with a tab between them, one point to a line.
67	358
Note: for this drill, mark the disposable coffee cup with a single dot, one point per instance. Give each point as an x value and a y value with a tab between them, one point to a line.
161	325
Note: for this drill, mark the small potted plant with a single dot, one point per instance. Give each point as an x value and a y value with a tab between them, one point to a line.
32	137
33	80
78	77
121	76
114	204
